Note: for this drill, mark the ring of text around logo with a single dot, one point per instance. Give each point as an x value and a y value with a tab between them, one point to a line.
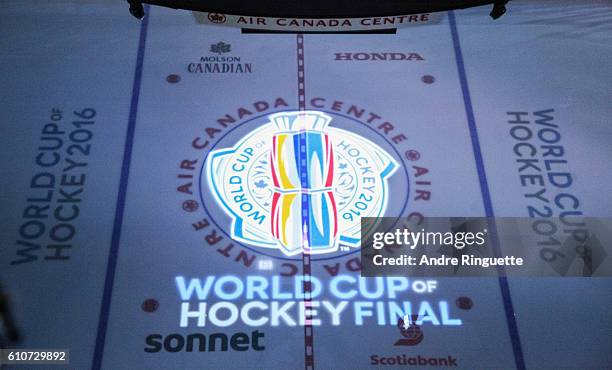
218	165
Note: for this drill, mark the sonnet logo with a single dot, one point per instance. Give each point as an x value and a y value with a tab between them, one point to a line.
200	342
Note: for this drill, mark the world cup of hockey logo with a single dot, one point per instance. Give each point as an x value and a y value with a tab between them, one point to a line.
304	214
299	185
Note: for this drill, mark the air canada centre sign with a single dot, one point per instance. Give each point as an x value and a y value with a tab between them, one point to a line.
318	25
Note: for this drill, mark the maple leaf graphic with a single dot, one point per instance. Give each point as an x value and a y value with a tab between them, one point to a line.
220	48
261	184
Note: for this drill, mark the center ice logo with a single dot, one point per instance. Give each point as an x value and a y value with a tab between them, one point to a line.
300	186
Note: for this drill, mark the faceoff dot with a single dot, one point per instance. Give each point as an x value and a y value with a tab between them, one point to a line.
428	79
150	305
464	303
173	78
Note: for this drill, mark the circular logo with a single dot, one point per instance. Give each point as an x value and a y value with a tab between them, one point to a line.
217	18
298	185
412	332
287	183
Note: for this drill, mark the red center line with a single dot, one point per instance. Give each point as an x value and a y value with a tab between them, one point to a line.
306	267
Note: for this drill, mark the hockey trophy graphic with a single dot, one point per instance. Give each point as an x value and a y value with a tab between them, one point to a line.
296	184
304	215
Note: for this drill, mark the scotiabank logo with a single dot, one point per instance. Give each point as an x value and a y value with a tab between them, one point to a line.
403	360
410	331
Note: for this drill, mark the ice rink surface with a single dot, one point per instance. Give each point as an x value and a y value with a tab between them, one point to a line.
115	247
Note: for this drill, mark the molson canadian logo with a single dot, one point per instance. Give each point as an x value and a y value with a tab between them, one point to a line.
299	185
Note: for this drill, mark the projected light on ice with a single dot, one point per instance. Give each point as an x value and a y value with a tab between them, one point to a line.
257	301
299	185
